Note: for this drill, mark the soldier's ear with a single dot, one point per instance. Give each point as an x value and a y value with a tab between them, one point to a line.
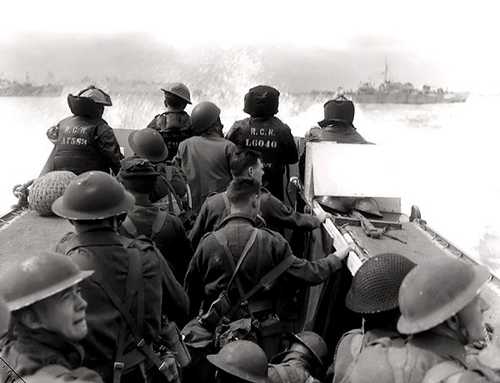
29	318
251	171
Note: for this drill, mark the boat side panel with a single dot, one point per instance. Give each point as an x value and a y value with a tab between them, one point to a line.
29	234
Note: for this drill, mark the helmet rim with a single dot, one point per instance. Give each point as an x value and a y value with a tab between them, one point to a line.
49	291
143	153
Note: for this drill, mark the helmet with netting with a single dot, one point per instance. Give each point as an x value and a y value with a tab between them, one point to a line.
375	287
46	189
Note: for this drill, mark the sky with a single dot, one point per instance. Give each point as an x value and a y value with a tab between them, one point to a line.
445	42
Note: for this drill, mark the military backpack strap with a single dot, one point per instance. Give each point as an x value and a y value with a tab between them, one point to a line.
129	226
442	371
222	239
266	282
347	348
133	277
135	266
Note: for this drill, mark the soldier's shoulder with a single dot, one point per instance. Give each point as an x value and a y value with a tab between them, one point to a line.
214	197
314	133
205	239
243	123
272	235
277	121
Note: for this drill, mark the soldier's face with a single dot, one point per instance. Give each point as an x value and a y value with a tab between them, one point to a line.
64	313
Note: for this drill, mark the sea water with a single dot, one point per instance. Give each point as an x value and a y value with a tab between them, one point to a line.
450	151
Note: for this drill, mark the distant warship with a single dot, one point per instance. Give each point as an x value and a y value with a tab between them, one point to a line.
390	92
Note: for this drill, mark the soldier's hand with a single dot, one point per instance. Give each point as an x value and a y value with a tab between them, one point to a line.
343	253
323	216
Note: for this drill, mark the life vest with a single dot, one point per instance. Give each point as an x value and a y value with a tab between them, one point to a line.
76	148
174	127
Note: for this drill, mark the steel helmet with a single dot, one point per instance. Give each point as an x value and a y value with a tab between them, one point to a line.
97	95
338	110
46	189
242	359
368	207
93	195
314	343
148	143
39	277
375	286
204	115
178	89
132	167
335	204
436	290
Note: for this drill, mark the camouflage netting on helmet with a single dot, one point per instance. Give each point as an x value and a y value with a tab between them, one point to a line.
47	189
375	287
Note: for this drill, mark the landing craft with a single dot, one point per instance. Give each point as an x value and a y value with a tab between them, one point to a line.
327	179
388	231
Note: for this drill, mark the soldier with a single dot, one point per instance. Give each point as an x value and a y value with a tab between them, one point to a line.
48	321
174	124
440	309
277	216
373	294
125	292
302	362
266	133
209	272
337	126
205	157
240	361
171	187
84	141
167	232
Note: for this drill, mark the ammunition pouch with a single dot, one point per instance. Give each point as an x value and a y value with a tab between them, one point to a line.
217	311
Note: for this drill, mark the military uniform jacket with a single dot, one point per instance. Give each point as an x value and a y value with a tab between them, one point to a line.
174	126
208	275
205	161
170	239
339	134
290	371
274	140
83	144
37	354
275	213
350	346
103	251
405	361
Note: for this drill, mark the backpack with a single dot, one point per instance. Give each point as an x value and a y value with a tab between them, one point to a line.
129	226
385	360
